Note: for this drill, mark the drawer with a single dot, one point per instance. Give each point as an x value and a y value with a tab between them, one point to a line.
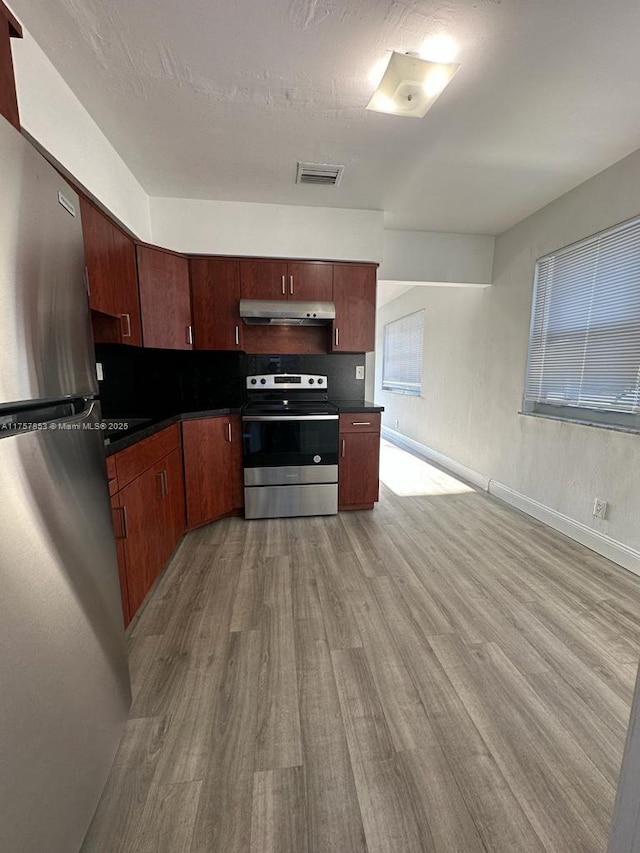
360	422
112	475
133	461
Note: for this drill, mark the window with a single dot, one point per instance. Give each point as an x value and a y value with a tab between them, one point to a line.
584	345
402	355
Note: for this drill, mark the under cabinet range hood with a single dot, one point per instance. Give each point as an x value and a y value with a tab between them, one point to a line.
282	312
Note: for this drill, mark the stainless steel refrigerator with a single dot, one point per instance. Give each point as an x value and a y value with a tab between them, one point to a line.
64	682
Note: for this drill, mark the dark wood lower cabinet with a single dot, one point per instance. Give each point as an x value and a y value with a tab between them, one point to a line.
117	518
212	451
142	512
169	486
148	521
359	468
173	505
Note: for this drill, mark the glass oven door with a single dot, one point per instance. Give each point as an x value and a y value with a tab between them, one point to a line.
279	440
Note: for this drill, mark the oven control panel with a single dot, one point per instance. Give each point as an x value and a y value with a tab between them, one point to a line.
292	381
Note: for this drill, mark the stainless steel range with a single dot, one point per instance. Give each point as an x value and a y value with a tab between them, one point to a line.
290	447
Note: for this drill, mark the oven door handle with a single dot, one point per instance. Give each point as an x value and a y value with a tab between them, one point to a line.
261	418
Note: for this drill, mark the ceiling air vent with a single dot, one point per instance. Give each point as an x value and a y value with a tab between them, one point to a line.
321	174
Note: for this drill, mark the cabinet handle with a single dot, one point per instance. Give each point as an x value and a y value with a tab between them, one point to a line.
190	335
123	522
291	285
86	280
284	285
360	423
343	448
126	334
336	337
229	431
164	490
237	335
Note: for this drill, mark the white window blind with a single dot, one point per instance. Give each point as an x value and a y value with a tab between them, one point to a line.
402	354
584	346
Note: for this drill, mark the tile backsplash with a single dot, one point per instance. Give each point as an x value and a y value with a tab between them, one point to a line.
340	369
153	382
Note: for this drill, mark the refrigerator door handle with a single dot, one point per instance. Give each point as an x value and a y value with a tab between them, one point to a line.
86	412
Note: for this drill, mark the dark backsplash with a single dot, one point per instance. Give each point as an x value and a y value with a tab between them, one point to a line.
155	382
339	368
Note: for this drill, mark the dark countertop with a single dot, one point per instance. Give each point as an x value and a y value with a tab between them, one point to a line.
139	431
144	427
345	406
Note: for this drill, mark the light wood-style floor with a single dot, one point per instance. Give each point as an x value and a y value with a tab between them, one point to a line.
441	674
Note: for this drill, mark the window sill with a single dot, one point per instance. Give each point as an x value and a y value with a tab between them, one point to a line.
575	421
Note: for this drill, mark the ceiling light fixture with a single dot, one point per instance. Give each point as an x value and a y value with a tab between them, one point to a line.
410	85
439	48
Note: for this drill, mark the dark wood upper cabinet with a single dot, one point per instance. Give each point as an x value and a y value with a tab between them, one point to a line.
165	299
9	28
215	295
112	276
126	275
354	294
97	230
310	281
303	280
262	279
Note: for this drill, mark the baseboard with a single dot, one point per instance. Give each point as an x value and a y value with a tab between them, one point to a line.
617	552
602	544
468	474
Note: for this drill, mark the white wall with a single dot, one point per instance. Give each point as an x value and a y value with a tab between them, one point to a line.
429	256
266	230
474	364
55	118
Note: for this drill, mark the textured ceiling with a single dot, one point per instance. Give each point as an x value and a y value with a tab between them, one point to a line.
213	99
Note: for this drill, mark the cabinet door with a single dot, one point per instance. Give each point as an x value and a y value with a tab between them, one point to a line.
117	518
125	272
165	299
112	275
358	469
215	294
172	492
263	279
310	281
142	513
354	294
207	445
96	231
236	473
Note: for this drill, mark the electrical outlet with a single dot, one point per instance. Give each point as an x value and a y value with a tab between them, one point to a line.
600	508
397	423
360	371
99	371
